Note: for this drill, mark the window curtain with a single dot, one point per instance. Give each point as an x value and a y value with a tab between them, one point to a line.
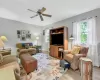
92	42
76	33
91	39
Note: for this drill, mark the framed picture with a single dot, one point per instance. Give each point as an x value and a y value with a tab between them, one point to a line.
23	32
23	37
18	35
18	32
28	32
29	36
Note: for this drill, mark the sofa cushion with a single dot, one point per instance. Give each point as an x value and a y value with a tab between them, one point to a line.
31	49
30	44
1	58
75	50
23	50
23	45
69	57
27	46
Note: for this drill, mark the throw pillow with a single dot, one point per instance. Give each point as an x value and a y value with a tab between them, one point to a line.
1	58
23	45
75	50
27	46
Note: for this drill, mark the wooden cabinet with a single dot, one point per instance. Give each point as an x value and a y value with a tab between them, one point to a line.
54	51
51	50
58	39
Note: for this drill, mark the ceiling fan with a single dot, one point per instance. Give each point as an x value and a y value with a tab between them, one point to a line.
40	13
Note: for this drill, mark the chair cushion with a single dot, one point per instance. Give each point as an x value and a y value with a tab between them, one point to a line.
31	49
69	57
75	50
1	58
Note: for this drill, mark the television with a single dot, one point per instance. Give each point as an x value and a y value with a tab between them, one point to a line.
57	39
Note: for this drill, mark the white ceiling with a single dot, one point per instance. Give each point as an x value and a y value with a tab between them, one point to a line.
59	9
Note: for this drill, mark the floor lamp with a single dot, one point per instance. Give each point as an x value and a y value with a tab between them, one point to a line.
4	39
37	38
71	39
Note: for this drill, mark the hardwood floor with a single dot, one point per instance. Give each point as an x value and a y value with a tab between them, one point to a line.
75	75
96	73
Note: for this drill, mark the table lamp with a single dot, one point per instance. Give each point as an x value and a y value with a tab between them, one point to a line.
4	39
1	44
71	38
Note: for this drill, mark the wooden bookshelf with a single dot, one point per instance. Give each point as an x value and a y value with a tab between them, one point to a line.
54	48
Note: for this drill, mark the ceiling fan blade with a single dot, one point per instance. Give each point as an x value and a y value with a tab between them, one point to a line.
31	10
34	16
41	17
42	10
47	15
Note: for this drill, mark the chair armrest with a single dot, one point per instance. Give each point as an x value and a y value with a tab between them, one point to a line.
17	76
80	55
75	61
67	51
77	56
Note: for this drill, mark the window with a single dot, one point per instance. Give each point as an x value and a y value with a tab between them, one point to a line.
84	32
81	32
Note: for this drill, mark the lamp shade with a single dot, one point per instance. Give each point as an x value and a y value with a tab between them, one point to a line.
3	38
71	37
1	43
37	37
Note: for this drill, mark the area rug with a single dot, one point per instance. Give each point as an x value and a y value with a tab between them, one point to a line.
48	68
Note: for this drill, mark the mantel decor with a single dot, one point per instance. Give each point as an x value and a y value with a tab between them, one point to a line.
23	34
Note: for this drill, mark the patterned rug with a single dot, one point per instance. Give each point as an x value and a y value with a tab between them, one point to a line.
48	68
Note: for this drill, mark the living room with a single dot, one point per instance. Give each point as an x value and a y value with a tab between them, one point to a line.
21	27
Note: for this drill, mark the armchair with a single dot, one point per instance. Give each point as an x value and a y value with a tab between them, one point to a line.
73	59
9	60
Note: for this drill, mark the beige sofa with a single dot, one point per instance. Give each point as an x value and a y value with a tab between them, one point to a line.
73	59
25	47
